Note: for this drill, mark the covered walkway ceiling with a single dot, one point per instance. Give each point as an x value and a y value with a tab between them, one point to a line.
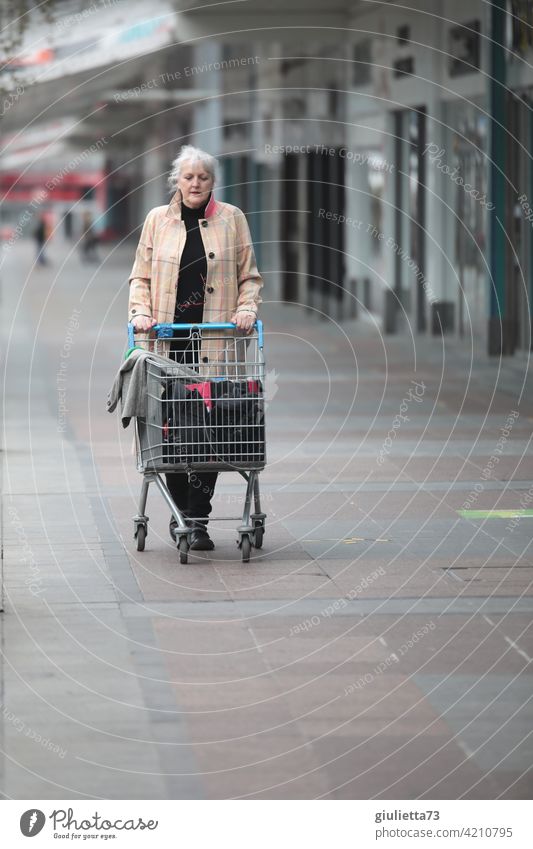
89	93
260	19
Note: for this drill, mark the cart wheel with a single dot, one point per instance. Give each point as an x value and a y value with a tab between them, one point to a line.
246	547
141	537
183	548
259	532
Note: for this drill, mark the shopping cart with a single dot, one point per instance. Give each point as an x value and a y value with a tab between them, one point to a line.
210	422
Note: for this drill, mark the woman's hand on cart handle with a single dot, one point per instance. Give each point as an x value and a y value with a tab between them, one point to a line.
244	320
143	323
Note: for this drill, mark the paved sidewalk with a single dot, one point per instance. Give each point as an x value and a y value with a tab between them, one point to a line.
379	646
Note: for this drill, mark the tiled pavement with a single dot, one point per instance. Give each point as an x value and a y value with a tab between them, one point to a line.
378	647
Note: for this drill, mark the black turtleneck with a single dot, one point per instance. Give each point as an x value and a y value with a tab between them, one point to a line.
191	280
193	268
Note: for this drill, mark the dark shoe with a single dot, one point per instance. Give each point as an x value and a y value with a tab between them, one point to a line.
201	541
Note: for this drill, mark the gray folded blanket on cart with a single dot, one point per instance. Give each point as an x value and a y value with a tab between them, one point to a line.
130	388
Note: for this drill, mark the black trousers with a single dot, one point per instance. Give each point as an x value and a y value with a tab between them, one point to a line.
192	494
193	497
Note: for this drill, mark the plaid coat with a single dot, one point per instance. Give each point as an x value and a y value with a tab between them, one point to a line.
233	281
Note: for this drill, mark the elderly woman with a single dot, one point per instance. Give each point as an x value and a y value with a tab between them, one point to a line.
194	263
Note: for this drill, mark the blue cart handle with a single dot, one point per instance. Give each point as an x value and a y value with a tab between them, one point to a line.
165	330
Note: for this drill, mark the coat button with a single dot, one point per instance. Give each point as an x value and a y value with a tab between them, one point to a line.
210	289
211	255
204	223
205	359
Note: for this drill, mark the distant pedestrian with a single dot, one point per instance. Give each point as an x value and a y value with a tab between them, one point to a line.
89	240
68	224
39	234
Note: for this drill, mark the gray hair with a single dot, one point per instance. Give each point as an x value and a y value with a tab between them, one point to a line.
188	153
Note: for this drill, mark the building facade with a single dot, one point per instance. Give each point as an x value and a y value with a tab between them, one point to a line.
381	153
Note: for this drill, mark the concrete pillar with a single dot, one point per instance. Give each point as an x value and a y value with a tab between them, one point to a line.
358	244
391	292
440	291
155	166
269	130
207	119
500	334
404	278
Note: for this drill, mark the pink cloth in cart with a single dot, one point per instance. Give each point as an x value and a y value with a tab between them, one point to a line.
203	389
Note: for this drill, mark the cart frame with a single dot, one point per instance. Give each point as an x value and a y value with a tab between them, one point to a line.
152	465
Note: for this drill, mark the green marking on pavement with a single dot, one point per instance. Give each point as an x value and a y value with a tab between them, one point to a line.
495	514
